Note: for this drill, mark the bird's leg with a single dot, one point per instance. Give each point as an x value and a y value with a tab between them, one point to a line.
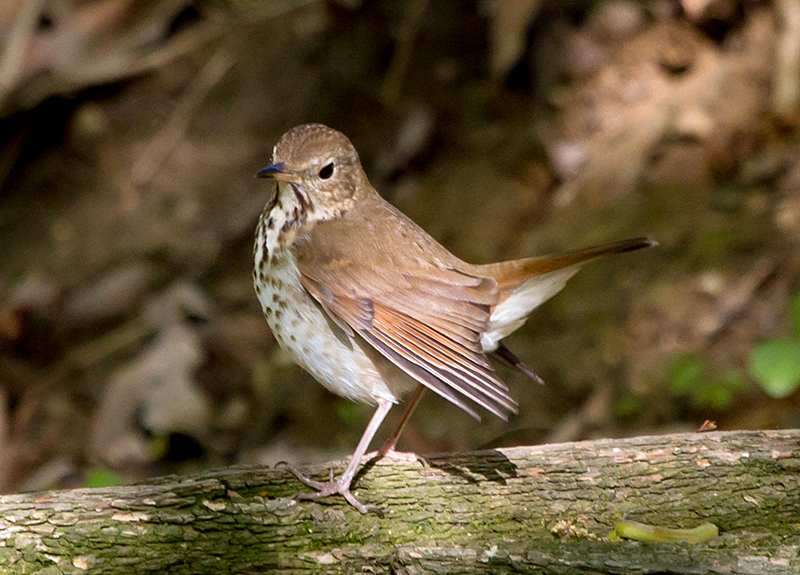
341	486
388	446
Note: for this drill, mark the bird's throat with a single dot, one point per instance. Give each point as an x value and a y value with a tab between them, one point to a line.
283	218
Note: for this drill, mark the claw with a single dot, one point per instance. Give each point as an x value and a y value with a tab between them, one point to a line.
363	508
341	486
402	456
330	487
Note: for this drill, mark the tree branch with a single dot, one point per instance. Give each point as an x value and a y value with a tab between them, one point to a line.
546	509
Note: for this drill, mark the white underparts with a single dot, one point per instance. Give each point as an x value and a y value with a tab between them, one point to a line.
510	315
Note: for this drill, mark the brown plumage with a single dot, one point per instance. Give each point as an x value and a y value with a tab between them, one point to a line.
371	305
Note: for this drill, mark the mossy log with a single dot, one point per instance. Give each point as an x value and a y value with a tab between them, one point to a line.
545	509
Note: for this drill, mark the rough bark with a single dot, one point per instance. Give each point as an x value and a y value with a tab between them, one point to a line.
546	509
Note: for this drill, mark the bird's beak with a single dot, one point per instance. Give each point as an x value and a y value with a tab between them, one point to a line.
276	172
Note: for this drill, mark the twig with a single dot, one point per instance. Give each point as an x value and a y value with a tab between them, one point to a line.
160	147
736	299
129	55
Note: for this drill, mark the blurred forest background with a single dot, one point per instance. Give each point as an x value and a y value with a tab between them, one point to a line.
132	344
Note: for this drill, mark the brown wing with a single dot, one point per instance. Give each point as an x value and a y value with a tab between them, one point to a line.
411	302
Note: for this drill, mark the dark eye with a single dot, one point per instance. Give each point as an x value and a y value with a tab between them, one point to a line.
326	171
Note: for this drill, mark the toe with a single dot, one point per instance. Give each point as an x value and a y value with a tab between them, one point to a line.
363	508
406	457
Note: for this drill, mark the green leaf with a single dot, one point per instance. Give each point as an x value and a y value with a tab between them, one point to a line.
100	477
627	406
643	532
795	311
775	365
686	372
713	394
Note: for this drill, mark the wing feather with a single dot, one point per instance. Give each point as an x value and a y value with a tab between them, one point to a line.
425	314
446	361
435	368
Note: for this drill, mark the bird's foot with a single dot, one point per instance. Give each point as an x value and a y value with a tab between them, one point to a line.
333	486
399	456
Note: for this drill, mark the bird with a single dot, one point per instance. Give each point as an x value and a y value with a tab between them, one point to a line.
373	307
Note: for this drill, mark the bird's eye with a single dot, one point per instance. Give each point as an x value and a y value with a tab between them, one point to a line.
326	171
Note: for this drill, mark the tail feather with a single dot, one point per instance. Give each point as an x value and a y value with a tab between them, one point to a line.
511	273
526	284
504	354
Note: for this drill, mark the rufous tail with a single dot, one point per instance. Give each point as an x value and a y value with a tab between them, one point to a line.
527	283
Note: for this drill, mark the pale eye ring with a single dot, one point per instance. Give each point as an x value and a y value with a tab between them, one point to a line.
326	171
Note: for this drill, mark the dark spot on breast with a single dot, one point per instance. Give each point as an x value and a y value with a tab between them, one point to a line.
270	223
268	312
275	297
300	199
278	314
293	338
282	304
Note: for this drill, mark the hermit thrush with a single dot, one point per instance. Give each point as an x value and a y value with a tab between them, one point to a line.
372	306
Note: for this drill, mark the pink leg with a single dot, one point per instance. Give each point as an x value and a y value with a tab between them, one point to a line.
389	444
341	486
